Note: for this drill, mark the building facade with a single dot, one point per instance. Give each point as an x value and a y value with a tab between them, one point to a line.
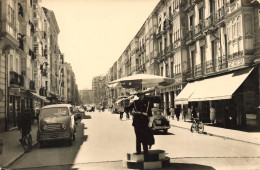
221	41
199	42
99	84
29	59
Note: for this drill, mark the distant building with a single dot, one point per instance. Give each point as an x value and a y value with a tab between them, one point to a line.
86	96
99	90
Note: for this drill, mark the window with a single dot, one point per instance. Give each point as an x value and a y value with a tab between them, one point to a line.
170	39
201	14
212	6
202	55
166	70
165	43
239	33
191	21
11	15
162	71
172	69
170	10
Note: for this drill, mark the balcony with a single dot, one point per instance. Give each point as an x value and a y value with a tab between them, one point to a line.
43	91
14	78
222	63
233	6
189	5
240	59
169	50
168	24
190	36
198	70
209	67
198	33
44	73
158	32
208	22
32	85
220	15
21	78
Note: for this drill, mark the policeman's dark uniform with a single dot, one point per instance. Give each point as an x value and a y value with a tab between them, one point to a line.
143	133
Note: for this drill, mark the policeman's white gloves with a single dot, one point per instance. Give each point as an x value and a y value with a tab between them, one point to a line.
137	112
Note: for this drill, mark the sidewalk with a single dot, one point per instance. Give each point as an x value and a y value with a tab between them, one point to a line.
12	148
249	137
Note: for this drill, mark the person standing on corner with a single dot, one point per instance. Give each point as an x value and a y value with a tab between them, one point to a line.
172	112
141	113
212	114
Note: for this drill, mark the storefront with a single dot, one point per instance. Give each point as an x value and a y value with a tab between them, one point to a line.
14	109
38	102
168	95
235	92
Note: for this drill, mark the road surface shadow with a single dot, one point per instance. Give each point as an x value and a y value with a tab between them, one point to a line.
162	133
118	166
186	166
85	117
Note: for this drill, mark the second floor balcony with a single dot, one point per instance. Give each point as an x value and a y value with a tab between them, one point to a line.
16	79
32	85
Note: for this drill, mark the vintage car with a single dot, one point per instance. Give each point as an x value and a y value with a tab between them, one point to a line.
90	108
56	122
159	121
79	111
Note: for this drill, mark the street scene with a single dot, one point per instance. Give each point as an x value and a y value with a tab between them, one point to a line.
105	146
130	84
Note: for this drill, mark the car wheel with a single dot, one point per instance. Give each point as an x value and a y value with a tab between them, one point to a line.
165	131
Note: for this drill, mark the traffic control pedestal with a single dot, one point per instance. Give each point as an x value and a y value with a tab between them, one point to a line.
152	159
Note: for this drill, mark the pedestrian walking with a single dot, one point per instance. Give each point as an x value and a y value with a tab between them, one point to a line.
212	114
184	113
141	114
177	112
172	112
25	123
228	117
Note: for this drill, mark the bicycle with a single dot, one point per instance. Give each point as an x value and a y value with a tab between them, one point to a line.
197	126
27	142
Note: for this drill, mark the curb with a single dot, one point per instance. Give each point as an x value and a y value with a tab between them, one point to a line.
224	137
8	164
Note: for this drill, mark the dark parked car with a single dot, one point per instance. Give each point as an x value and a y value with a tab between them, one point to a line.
159	121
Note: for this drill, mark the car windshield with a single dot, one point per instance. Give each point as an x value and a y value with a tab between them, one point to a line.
56	111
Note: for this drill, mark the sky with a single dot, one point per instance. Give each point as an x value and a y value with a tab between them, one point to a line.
94	33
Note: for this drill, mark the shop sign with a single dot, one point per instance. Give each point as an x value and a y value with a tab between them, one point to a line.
177	80
236	63
14	91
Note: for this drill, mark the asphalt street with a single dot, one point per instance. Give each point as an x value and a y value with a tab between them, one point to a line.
102	141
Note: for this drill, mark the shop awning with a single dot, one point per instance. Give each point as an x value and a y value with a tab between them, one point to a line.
185	94
41	97
221	87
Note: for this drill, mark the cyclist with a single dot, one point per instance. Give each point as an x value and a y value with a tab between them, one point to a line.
25	123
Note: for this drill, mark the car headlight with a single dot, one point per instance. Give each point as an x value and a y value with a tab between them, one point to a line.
45	127
63	126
